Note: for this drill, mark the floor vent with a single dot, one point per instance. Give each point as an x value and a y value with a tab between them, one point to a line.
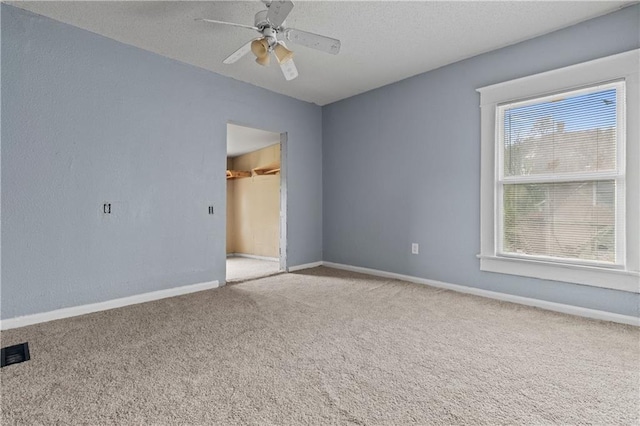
15	354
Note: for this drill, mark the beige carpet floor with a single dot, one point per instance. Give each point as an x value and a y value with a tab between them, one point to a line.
243	268
324	347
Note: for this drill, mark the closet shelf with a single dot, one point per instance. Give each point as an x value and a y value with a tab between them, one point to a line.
269	169
233	174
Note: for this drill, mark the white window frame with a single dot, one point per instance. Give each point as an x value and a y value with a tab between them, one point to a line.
625	273
618	175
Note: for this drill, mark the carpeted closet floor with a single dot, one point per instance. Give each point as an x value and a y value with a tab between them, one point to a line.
244	268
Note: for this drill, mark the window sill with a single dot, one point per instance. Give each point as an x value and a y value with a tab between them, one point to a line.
588	275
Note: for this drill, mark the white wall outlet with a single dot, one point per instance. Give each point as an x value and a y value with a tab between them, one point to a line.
415	248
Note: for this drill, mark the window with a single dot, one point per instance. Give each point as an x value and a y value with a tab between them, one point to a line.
560	178
557	164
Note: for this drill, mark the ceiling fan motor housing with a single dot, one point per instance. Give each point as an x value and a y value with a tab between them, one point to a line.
261	20
270	35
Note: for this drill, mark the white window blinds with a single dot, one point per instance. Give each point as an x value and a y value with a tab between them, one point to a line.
560	176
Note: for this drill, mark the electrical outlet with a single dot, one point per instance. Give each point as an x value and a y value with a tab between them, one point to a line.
415	248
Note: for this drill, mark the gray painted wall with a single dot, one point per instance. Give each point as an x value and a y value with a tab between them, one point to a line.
402	164
86	120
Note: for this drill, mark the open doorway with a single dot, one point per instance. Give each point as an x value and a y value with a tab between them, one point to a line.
256	237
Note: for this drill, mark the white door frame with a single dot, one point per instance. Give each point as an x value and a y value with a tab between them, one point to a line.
283	192
283	201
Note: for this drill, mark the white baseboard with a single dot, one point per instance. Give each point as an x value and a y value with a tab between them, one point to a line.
543	304
177	291
253	256
304	266
74	311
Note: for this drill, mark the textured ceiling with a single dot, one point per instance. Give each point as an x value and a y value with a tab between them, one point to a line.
241	140
382	41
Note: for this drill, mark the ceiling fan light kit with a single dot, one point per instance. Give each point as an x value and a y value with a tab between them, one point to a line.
270	24
260	48
263	60
282	53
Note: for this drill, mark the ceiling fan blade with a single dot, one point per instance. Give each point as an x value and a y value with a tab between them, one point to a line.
314	41
278	11
289	70
246	48
213	21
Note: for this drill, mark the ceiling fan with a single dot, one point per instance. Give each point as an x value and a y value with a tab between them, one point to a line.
270	24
